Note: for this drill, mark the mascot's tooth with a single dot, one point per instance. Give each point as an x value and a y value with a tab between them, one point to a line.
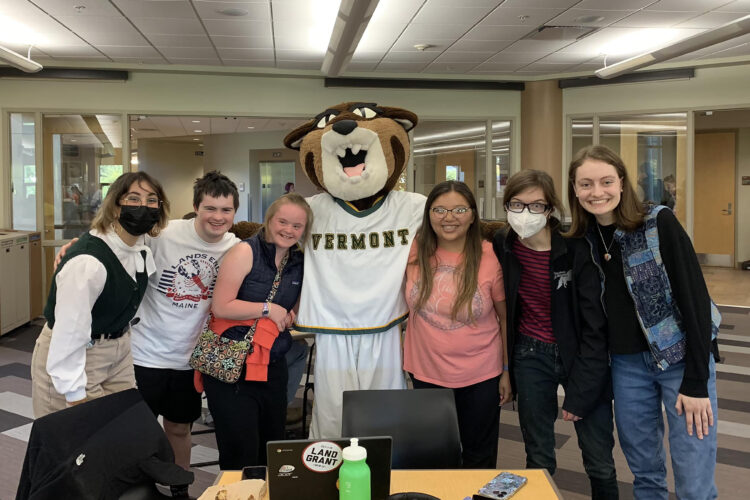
355	148
341	152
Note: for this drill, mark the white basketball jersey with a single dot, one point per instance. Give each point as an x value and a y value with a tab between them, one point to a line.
355	262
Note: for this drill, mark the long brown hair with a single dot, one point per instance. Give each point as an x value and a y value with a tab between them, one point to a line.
530	179
472	253
628	213
294	199
107	213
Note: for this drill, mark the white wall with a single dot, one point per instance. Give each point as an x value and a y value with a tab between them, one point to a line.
235	95
743	195
175	166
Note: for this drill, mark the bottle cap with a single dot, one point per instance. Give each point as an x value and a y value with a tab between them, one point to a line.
354	452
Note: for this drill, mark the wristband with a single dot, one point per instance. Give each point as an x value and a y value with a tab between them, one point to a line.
265	309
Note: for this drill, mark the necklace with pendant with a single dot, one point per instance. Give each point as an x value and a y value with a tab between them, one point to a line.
607	254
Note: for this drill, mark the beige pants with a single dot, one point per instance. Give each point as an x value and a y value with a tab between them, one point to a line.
109	369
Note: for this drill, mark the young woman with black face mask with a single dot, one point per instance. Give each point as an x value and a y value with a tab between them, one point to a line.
556	332
83	351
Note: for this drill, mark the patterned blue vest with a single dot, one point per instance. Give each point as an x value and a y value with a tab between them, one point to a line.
649	286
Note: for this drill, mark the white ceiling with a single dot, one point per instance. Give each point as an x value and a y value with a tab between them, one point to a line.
467	37
189	128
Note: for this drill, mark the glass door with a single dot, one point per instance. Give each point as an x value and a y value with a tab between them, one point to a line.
276	179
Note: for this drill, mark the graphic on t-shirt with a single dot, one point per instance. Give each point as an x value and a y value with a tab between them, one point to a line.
191	280
437	310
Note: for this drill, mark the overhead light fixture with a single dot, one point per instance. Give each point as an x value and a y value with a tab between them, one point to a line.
196	121
725	32
197	131
18	61
351	23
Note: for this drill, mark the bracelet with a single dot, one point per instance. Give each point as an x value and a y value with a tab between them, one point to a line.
505	368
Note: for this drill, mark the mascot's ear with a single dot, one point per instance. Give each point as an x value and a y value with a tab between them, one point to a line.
407	119
293	140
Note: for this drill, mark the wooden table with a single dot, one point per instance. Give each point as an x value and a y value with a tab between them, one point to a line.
454	484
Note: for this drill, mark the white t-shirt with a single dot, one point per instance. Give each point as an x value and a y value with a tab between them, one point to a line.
178	297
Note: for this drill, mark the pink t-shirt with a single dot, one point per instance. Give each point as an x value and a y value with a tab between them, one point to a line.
452	353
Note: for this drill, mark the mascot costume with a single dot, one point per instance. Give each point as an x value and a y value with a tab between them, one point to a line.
355	259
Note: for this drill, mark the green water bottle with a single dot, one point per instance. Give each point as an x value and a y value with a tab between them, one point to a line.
354	474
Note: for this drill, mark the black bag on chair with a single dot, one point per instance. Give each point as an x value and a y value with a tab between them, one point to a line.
98	450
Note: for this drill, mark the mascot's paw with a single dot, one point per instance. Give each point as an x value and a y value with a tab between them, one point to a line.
354	151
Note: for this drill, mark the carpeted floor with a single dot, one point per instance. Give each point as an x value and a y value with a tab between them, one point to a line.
732	470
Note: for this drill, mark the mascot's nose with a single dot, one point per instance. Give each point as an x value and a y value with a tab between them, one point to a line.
344	127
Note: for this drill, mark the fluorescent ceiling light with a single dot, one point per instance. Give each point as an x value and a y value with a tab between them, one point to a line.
18	61
320	24
457	145
639	42
350	24
725	32
461	132
15	33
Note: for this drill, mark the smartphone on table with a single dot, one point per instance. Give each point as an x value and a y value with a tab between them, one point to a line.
502	486
254	472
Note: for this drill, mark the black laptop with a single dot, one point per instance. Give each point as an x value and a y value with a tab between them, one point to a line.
309	468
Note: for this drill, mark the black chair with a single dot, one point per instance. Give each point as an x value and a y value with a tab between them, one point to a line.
423	424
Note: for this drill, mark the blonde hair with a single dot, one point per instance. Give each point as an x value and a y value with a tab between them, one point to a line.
294	199
108	211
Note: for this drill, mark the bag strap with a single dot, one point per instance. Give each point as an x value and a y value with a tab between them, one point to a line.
271	294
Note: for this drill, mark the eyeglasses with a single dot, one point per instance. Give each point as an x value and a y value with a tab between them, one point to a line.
534	208
457	212
136	201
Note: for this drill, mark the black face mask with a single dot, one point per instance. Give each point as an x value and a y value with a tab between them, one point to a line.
138	220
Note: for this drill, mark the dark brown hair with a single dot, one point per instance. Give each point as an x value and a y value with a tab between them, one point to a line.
107	213
468	271
530	179
629	212
214	184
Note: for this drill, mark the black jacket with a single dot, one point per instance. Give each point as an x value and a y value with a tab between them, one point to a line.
578	320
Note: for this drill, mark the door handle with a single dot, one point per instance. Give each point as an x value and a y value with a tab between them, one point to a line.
728	210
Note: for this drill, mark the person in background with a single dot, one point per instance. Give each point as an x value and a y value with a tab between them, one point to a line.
252	411
669	195
454	337
556	331
662	327
84	349
289	188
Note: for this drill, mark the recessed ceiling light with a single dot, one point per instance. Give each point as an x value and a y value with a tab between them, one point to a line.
74	140
197	131
251	127
423	46
196	121
196	139
233	12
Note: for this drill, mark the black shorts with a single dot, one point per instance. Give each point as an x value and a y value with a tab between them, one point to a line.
169	393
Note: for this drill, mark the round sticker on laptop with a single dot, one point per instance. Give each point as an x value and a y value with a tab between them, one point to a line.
322	456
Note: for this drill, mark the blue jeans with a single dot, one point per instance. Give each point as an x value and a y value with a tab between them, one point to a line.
537	371
640	388
296	360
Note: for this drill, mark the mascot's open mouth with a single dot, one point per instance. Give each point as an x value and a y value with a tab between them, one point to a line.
352	159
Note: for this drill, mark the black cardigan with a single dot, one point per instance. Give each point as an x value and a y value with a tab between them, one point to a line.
578	320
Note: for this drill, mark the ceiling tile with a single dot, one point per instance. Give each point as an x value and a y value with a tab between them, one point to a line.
179	40
401	67
309	65
480	45
548	67
250	63
422	33
188	52
99	58
414	56
124	51
367	57
46	31
298	55
246	54
256	11
242	42
162	26
361	66
401	11
687	5
195	62
380	36
514	57
536	46
654	19
709	20
614	4
540	4
498	67
507	16
736	6
104	30
502	33
155	8
571	17
217	27
458	14
454	67
81	50
455	56
437	45
57	8
140	60
740	50
566	57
